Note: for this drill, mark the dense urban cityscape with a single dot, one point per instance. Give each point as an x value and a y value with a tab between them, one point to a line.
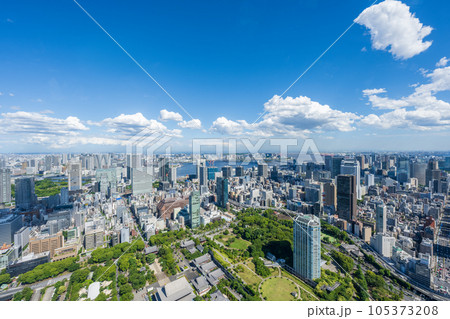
291	157
113	226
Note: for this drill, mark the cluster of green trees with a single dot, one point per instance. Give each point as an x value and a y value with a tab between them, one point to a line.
25	294
386	272
344	261
335	232
260	268
49	270
344	292
47	187
214	225
5	278
167	261
78	280
361	284
60	288
125	289
265	231
103	273
190	256
101	255
168	238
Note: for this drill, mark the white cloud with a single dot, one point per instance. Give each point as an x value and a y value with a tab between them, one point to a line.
228	127
394	28
442	62
420	110
130	124
290	116
192	124
383	102
165	115
1	93
11	94
373	91
36	123
303	115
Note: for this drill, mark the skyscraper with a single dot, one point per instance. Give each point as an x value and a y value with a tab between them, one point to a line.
203	177
173	174
239	171
307	246
226	171
75	181
194	209
346	197
433	165
25	196
381	218
370	180
5	185
330	196
263	170
419	172
336	166
222	191
351	167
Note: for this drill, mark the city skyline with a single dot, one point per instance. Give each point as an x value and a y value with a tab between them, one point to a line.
71	88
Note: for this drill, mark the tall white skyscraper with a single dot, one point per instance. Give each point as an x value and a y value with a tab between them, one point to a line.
5	185
307	246
75	178
351	167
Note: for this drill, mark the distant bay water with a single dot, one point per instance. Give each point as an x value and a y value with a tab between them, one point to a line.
189	168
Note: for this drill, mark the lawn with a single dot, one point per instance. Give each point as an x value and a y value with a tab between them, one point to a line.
305	296
240	244
331	239
237	243
249	277
278	289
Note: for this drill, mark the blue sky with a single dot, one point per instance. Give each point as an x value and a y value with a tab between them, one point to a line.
66	86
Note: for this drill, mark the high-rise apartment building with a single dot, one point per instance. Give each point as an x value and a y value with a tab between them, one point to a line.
75	178
5	185
307	246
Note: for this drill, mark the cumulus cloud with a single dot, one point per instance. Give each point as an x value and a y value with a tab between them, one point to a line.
381	102
442	62
420	110
38	123
165	115
131	124
192	124
394	28
303	115
228	127
290	116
